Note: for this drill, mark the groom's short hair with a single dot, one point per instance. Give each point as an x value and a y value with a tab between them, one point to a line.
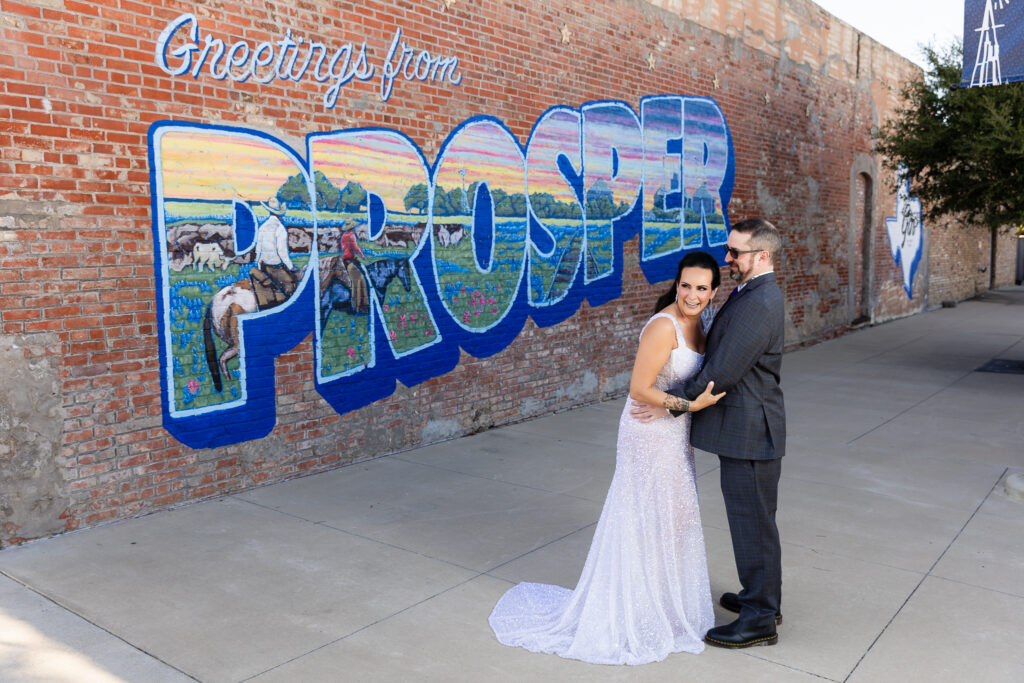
763	235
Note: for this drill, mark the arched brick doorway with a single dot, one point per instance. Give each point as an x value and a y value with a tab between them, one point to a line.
861	240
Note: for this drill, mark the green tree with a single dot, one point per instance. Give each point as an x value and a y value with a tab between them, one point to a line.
417	198
294	193
326	193
600	207
545	206
963	147
518	204
443	203
352	198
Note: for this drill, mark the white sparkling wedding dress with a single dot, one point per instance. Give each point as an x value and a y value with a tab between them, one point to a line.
644	591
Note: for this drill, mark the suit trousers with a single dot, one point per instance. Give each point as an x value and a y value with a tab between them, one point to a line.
750	489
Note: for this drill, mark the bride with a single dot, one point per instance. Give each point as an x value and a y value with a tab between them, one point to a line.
644	591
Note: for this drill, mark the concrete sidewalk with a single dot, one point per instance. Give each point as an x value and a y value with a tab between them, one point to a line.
903	555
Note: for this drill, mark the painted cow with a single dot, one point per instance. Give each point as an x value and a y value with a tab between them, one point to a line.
208	254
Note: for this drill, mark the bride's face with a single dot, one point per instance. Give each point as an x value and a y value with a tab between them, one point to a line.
694	291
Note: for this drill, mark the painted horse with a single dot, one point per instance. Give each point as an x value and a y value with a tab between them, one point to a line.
222	319
223	311
259	291
336	290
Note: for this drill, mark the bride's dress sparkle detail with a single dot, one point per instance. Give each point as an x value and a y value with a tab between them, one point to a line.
644	591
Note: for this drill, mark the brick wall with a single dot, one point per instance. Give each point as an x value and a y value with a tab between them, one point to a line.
961	261
84	304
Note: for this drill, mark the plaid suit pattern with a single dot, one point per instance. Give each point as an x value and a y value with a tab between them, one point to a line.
744	359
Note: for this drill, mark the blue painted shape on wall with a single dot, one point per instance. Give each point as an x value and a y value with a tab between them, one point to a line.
906	232
451	256
260	336
245	227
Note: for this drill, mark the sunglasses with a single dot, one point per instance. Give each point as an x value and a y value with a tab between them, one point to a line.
735	253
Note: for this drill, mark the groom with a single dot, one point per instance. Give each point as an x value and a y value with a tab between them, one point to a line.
747	428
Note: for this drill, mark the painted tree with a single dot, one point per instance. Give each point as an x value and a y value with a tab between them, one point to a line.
508	204
352	198
326	193
963	147
294	193
545	206
418	198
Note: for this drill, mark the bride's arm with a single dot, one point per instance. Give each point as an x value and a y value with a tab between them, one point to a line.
656	344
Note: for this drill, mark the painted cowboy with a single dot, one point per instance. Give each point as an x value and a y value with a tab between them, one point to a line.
349	249
275	277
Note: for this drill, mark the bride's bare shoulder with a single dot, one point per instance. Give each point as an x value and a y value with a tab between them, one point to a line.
660	329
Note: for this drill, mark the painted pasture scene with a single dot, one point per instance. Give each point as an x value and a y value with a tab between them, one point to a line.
380	253
213	274
230	256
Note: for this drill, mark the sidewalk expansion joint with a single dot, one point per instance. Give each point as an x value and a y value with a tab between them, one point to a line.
57	603
909	408
928	574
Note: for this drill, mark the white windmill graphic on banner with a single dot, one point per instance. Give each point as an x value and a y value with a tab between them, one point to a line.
986	64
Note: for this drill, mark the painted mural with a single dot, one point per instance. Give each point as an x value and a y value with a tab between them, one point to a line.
906	238
395	265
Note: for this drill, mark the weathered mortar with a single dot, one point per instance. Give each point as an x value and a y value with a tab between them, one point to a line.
33	492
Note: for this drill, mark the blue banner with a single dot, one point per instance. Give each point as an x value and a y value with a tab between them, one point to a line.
993	42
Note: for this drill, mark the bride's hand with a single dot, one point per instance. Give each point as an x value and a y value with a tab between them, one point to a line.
643	412
706	399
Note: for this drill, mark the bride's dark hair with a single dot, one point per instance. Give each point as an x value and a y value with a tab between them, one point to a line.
695	259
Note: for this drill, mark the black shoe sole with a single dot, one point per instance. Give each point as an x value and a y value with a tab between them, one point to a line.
767	641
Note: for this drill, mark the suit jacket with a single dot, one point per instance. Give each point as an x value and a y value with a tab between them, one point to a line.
744	359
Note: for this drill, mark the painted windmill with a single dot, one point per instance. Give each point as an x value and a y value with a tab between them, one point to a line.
986	64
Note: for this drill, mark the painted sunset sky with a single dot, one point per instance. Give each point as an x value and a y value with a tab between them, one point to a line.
213	165
488	153
558	133
383	162
209	164
704	125
608	126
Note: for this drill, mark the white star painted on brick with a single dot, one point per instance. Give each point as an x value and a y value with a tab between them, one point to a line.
767	99
651	61
716	82
448	3
566	33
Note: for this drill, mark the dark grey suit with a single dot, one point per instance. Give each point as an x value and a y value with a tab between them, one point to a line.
747	430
